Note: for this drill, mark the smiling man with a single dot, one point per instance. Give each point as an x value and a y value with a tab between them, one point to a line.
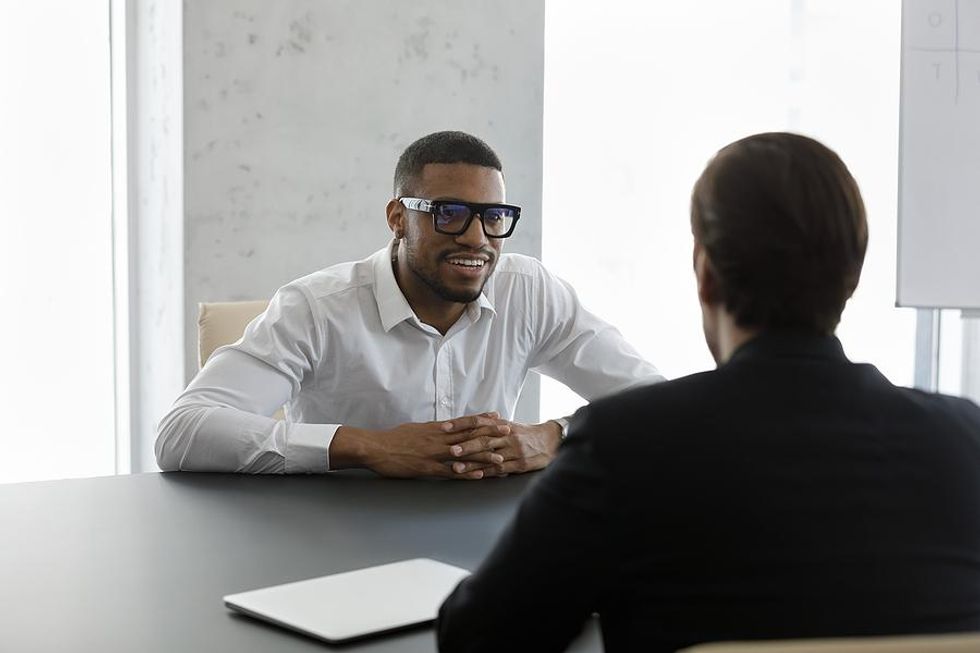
409	362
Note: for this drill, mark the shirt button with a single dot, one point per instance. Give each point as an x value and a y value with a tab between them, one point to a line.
445	401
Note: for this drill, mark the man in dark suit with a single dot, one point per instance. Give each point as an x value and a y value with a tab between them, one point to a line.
788	493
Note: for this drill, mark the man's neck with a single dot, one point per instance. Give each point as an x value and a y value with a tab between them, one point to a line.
440	316
428	306
731	336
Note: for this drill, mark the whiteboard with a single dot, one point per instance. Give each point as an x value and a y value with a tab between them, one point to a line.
939	155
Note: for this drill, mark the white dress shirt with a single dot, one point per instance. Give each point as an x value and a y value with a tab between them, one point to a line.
343	346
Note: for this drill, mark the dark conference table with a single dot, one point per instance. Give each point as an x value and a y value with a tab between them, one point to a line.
140	562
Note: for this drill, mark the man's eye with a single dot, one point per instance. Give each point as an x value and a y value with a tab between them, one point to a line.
453	212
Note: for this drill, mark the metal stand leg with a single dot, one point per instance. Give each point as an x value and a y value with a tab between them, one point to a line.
927	349
971	355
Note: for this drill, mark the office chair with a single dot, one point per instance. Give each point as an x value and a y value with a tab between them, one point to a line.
946	643
222	323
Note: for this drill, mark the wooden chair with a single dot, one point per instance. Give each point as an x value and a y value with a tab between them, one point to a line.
951	643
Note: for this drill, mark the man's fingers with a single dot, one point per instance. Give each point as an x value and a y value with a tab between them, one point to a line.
469	422
434	469
465	467
479	444
469	471
485	457
517	466
472	476
494	431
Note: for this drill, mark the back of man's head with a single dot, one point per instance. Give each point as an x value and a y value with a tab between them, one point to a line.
783	225
441	147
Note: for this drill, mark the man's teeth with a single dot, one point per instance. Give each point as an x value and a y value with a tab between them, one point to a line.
468	262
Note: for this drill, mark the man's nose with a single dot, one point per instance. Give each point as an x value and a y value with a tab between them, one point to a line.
473	237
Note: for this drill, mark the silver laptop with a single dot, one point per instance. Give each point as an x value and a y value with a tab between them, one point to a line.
355	604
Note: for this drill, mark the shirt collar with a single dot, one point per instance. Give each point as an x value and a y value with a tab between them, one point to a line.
789	344
392	305
475	309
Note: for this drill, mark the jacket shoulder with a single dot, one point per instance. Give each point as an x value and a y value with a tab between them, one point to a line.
664	406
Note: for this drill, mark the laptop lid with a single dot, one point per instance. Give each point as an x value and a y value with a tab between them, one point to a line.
355	604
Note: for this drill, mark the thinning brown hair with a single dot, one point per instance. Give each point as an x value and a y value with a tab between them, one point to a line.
784	228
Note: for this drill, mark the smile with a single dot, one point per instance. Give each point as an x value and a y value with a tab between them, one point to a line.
467	262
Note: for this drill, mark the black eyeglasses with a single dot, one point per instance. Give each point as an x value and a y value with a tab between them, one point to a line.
452	217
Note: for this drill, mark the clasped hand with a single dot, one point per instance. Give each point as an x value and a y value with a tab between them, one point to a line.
471	447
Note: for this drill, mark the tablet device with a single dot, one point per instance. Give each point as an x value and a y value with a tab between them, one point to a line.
355	604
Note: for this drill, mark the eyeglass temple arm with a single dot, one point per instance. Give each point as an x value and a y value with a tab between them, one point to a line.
416	204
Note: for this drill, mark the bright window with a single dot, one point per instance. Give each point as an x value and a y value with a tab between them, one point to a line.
639	95
56	329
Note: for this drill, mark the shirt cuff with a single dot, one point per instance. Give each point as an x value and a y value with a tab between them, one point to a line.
308	448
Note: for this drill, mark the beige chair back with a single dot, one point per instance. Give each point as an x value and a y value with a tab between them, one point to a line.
222	323
953	643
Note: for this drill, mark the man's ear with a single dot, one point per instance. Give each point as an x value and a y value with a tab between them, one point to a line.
706	276
396	217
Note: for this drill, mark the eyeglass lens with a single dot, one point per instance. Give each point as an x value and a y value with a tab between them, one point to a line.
452	218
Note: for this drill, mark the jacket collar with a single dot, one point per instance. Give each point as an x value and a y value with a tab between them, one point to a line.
789	344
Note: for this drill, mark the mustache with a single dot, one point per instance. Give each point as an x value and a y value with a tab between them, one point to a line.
486	252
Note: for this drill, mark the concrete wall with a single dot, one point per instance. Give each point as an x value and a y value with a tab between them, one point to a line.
295	112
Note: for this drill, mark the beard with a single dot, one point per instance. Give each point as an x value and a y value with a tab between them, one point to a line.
461	295
431	278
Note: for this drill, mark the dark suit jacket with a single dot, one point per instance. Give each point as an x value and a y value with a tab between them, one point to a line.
789	493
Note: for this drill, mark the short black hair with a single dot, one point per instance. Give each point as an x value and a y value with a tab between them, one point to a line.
441	147
784	228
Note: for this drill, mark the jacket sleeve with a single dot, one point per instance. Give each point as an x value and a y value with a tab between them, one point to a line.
548	572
